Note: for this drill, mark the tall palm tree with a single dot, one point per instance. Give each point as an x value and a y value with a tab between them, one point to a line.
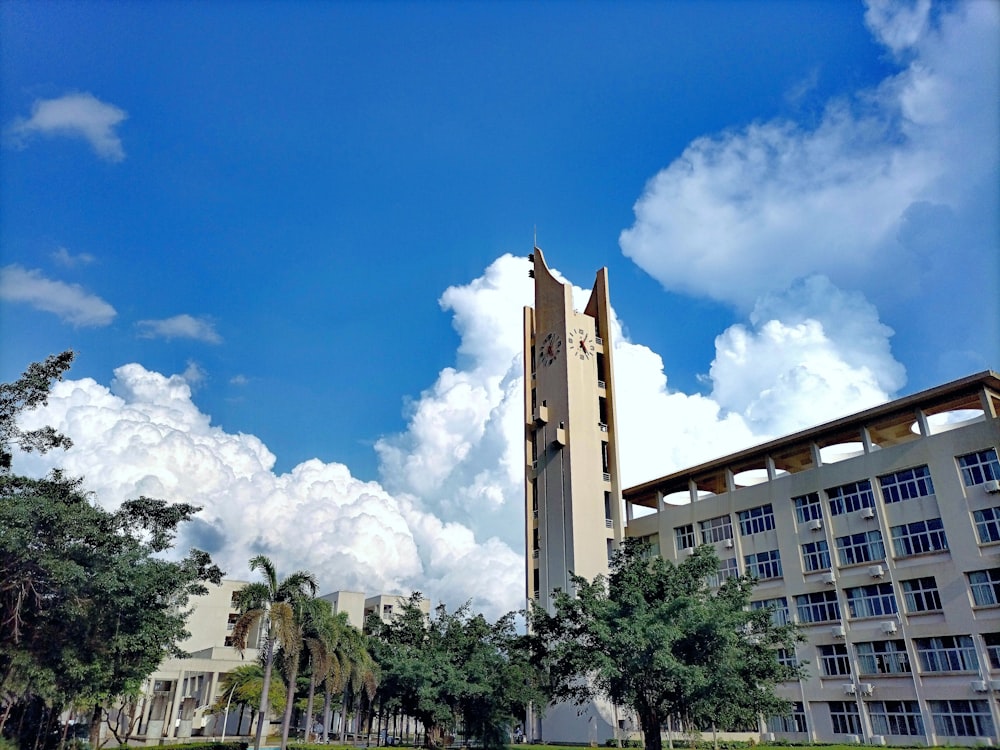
306	616
360	671
321	637
270	604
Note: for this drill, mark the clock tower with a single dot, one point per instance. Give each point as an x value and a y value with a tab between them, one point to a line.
573	517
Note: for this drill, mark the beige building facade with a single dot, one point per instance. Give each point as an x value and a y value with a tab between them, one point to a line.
179	695
573	513
878	533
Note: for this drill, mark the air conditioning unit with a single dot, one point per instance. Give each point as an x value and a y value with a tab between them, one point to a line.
876	571
888	627
829	578
995	685
850	689
687	551
853	739
867	688
838	631
979	686
816	524
868	513
992	486
767	737
878	739
728	544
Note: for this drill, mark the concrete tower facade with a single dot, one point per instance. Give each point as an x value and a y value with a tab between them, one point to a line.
572	492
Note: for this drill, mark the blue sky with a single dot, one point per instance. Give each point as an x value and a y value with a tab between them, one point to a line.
279	232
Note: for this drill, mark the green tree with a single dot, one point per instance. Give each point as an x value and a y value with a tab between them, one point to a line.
243	687
270	606
28	392
655	637
89	605
454	667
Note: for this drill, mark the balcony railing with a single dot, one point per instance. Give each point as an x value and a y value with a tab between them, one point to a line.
607	477
602	426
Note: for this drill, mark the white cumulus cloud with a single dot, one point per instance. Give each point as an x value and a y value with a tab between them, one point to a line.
71	302
447	516
80	115
182	326
744	212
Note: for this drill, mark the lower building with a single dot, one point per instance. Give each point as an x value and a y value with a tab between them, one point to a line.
879	534
178	697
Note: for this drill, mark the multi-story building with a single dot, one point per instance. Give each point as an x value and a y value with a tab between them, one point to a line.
879	533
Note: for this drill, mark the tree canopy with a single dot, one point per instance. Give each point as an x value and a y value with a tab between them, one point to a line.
454	667
655	637
89	605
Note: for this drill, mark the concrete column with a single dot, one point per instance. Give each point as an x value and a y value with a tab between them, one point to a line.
175	697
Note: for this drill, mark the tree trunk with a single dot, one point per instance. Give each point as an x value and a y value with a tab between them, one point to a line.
286	720
309	705
264	703
95	727
650	722
327	710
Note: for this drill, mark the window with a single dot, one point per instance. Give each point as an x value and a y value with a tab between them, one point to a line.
906	485
860	548
821	606
727	570
992	641
988	525
978	467
985	585
716	529
921	595
918	537
807	507
234	600
794	722
756	520
386	610
833	660
946	653
876	600
962	718
779	607
231	623
608	521
883	657
684	536
845	718
816	556
851	497
786	657
764	565
895	717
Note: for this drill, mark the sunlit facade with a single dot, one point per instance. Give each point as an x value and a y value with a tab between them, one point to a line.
879	533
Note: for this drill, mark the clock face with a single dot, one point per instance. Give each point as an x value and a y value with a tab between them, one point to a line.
581	344
551	349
